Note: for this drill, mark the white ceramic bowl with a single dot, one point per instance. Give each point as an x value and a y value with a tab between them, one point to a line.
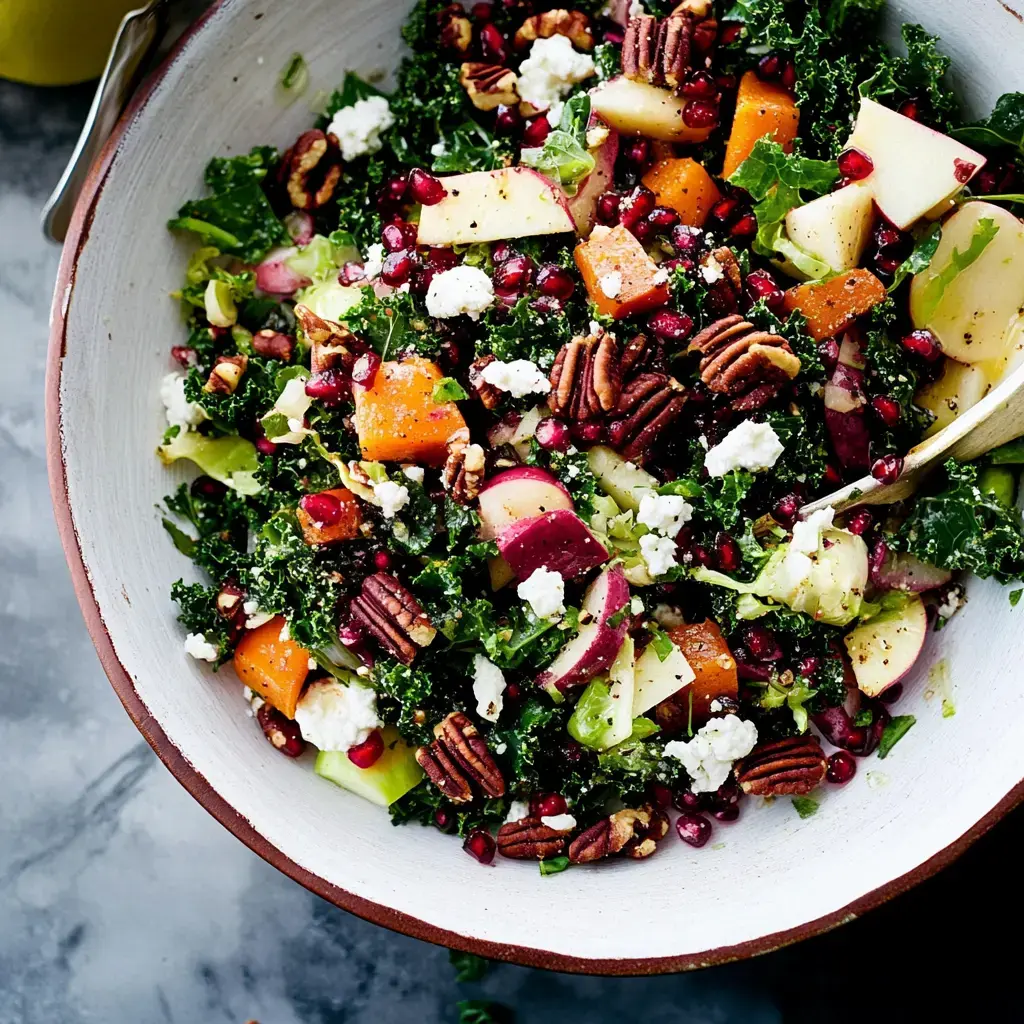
768	880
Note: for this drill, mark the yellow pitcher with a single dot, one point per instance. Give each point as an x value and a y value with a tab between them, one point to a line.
58	42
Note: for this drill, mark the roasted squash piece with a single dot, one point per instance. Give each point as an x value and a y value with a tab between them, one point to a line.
762	108
831	306
621	279
346	527
683	185
712	662
272	668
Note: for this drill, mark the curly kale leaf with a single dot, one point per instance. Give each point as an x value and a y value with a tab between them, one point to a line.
805	454
352	90
406	691
256	393
523	333
422	803
470	147
221	527
573	470
197	612
357	201
224	173
1002	129
392	324
539	729
417	523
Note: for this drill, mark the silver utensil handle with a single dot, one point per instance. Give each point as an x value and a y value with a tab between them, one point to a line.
136	37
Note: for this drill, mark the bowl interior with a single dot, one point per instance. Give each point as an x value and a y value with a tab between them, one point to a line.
766	879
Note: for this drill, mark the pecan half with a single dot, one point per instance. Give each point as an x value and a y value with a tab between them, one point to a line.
558	22
647	836
642	355
721	272
611	836
585	378
658	53
331	343
530	839
463	473
488	394
311	170
226	374
458	759
393	616
744	362
456	30
273	345
648	404
489	85
789	767
440	768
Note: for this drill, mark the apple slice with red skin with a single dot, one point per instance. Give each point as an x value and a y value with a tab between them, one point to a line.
884	649
559	541
900	570
583	205
845	407
597	643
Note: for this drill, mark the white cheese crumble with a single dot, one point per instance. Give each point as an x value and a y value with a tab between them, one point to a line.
661	276
611	284
197	645
709	756
807	533
635	9
392	497
413	473
180	411
254	615
559	822
286	634
636	605
519	378
750	446
668	616
544	590
517	810
712	271
658	552
488	686
715	706
951	604
374	262
551	70
664	513
461	290
358	127
293	403
333	716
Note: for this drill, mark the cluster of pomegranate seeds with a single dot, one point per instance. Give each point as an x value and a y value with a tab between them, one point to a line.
910	108
995	178
265	446
324	509
760	285
637	152
670	325
553	435
787	509
693	829
887	469
513	275
635	206
536	131
922	344
808	667
480	844
368	753
351	273
841	767
730	216
855	165
762	644
555	282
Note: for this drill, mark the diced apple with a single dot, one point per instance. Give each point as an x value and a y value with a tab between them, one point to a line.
389	778
636	108
624	481
606	596
977	311
484	206
960	387
521	493
656	680
915	168
583	205
900	570
835	228
844	408
884	649
559	541
603	715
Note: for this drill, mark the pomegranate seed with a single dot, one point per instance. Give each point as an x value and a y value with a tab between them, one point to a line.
555	281
547	805
841	768
351	273
513	275
548	305
481	12
662	218
963	170
887	469
753	671
727	794
724	211
891	695
265	447
910	108
855	165
701	556
730	813
744	227
643	231
730	31
888	237
368	753
493	48
923	344
381	561
995	178
502	251
886	264
728	552
661	795
395	188
392	237
828	352
324	509
410	232
208	488
442	259
365	369
832	476
553	435
762	644
686	800
507	120
512	693
636	205
687	239
787	509
694	829
398	268
638	152
282	732
699	85
699	113
608	208
670	325
536	131
588	433
887	409
860	522
444	819
184	356
761	285
788	77
480	844
329	386
424	188
808	666
769	67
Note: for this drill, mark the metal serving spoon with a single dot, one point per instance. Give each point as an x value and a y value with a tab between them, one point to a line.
138	35
995	420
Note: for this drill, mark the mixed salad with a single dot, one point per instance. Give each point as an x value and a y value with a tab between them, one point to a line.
507	388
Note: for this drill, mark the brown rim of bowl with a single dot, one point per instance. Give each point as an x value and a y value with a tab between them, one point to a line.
197	785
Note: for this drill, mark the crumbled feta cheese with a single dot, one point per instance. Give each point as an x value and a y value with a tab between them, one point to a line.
545	592
501	748
750	446
658	552
664	513
439	148
709	756
611	283
254	615
551	70
951	603
413	473
358	127
597	136
559	822
715	706
668	616
197	645
461	290
374	262
636	605
807	533
392	497
519	378
661	276
285	635
179	410
333	716
488	686
517	810
311	664
712	271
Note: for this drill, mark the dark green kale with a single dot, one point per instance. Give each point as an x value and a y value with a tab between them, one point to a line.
806	454
197	612
417	523
539	730
219	533
607	60
1003	129
227	172
523	333
422	804
920	257
350	92
357	201
483	1011
573	470
405	694
255	395
392	325
895	730
470	147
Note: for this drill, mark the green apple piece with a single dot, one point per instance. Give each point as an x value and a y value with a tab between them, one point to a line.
915	168
657	680
835	228
330	300
231	460
636	108
625	482
977	313
960	387
391	777
603	716
484	206
883	650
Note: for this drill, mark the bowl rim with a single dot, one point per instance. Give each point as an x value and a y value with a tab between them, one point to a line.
197	785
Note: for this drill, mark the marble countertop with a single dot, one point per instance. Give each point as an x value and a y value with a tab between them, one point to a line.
123	902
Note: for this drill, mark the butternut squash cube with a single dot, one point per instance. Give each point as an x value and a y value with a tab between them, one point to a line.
762	108
346	528
683	185
272	668
831	306
714	666
621	279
